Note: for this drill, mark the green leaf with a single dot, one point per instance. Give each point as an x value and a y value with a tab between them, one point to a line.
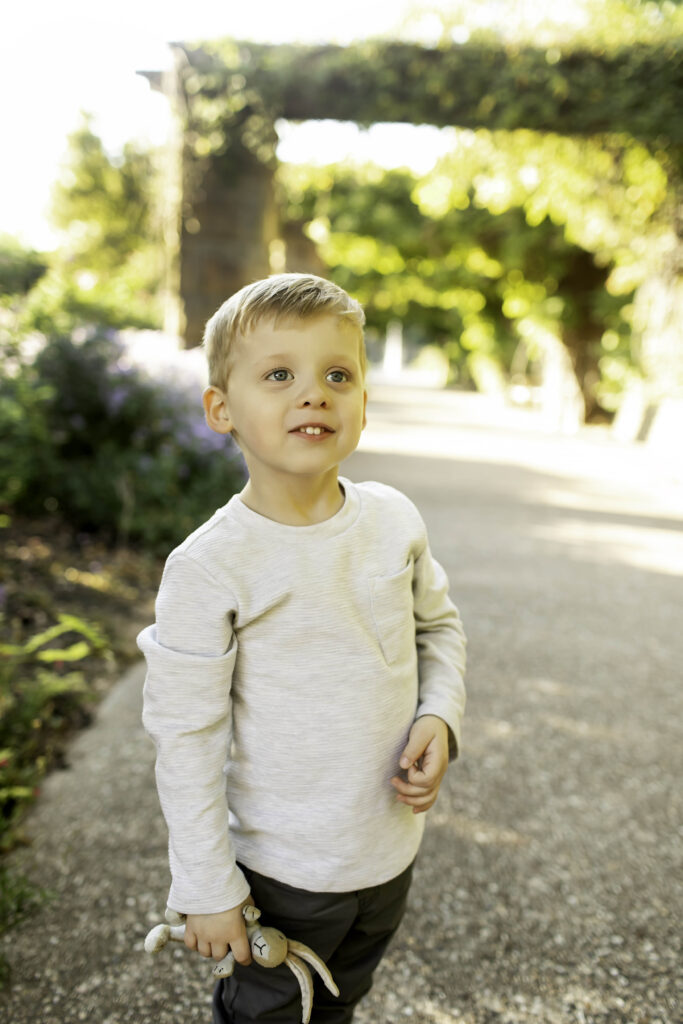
76	652
16	793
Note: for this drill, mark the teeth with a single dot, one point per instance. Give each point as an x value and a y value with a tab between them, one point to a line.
311	430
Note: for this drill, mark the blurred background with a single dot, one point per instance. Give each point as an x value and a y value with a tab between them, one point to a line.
499	183
529	248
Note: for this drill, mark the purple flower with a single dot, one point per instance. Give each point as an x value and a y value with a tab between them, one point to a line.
116	398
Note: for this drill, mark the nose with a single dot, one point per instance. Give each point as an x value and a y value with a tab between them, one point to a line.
313	395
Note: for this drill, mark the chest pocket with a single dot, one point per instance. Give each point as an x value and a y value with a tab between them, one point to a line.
392	613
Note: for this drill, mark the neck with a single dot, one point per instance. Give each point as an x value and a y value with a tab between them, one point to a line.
301	502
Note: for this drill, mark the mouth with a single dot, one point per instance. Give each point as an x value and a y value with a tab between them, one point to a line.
312	430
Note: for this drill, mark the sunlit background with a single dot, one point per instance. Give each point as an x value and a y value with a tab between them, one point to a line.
524	299
59	59
528	272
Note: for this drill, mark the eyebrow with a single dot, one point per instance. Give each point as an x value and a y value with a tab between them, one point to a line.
348	357
276	357
285	357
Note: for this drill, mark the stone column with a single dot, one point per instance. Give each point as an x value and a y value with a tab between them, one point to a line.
226	231
219	218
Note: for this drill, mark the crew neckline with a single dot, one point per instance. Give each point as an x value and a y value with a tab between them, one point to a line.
331	527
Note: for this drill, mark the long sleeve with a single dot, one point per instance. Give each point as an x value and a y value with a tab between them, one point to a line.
285	670
190	654
441	647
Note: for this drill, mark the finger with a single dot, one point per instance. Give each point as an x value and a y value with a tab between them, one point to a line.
414	777
411	756
190	939
219	950
420	800
241	950
420	806
419	796
425	785
204	949
430	755
409	788
431	775
413	794
421	810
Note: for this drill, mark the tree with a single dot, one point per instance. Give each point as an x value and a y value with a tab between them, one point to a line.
20	267
475	277
109	265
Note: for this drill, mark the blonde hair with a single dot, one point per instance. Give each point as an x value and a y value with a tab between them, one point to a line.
298	296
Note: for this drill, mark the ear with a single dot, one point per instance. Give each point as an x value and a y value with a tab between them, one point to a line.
365	406
216	410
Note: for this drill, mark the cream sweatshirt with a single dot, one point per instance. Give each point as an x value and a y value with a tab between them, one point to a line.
285	669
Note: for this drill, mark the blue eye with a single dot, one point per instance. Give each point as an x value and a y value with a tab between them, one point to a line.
279	375
338	376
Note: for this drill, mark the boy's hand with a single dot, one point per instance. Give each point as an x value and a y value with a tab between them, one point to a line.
213	934
426	759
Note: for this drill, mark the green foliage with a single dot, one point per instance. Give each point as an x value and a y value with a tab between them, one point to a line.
102	204
24	432
109	266
466	271
20	268
598	24
85	436
18	899
485	83
614	201
227	119
41	698
608	81
611	195
38	695
524	233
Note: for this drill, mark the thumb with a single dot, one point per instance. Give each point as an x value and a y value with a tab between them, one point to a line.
412	753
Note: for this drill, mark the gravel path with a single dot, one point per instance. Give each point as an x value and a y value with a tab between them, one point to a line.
548	888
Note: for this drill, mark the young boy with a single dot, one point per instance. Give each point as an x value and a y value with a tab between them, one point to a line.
305	672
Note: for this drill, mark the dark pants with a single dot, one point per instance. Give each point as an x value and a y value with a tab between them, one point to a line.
350	931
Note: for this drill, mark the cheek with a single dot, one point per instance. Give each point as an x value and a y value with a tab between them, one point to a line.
264	431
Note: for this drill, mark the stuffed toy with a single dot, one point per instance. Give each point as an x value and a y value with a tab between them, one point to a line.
269	947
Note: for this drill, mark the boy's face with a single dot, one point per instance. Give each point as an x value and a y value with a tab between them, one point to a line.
295	398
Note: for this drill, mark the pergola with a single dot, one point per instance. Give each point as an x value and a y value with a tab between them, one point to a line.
228	96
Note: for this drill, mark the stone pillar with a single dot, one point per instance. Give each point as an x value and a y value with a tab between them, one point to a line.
219	218
226	232
301	254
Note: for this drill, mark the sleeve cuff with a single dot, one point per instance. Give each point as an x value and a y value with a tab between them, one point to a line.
231	895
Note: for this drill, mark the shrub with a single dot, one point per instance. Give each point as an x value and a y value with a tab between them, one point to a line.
18	899
20	268
88	437
42	698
